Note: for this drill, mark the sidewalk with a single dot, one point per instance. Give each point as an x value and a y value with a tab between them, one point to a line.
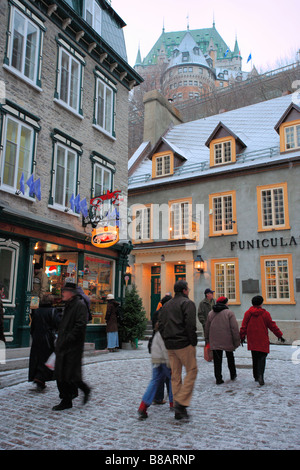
237	415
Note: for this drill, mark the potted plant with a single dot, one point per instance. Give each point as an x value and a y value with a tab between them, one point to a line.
134	319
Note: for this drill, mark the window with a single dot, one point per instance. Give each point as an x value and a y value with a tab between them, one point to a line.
24	41
9	255
104	112
18	147
225	279
65	175
92	14
142	223
65	170
222	153
222	210
70	64
162	165
102	180
272	201
292	137
180	219
277	279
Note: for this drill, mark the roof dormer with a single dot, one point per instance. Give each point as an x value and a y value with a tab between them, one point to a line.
288	128
165	158
224	145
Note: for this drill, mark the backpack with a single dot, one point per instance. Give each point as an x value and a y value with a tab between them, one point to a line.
89	315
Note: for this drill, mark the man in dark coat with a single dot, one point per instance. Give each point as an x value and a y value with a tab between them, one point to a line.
177	325
69	348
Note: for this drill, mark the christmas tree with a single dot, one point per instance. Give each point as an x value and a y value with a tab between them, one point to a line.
134	316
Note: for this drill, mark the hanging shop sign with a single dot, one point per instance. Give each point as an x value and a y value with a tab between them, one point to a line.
106	206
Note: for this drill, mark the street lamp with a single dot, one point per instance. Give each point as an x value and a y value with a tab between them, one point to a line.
199	264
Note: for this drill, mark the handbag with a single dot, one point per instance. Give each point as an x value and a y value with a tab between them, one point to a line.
208	354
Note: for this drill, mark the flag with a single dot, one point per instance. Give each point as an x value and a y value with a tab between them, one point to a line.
30	184
72	202
249	58
77	203
226	53
22	184
37	188
83	207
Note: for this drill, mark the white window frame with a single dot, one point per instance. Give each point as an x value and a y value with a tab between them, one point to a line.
142	224
275	279
29	19
294	132
221	275
272	218
28	171
226	215
180	220
95	11
162	163
220	152
66	201
71	59
107	122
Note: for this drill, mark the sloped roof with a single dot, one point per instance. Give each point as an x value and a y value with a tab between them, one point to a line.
253	125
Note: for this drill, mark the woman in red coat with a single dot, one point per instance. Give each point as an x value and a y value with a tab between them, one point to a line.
255	326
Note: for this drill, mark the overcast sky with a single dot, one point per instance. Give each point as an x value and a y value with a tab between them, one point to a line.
268	29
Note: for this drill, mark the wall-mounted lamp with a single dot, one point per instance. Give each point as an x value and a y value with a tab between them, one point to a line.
128	269
199	264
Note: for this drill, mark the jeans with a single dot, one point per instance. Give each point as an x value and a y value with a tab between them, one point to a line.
159	373
218	356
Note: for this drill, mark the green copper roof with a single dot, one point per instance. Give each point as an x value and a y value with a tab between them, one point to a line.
171	40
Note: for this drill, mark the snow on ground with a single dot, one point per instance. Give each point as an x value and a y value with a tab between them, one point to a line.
239	415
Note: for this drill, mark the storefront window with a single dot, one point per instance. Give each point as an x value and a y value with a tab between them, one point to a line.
96	280
60	268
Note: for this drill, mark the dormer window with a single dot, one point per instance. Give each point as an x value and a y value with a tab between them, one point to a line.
292	137
223	145
162	165
222	152
288	128
92	14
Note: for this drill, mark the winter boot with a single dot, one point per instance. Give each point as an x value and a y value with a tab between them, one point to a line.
63	405
142	411
180	411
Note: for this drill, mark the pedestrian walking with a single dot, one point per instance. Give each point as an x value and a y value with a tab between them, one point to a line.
177	324
160	371
159	396
111	319
43	329
205	307
69	348
222	334
256	323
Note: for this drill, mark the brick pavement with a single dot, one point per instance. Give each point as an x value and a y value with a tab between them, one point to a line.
236	415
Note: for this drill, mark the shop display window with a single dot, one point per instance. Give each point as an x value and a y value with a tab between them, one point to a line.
60	268
96	280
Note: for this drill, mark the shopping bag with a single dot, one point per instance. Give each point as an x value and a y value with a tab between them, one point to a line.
208	355
51	361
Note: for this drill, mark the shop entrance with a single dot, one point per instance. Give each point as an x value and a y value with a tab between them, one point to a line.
155	288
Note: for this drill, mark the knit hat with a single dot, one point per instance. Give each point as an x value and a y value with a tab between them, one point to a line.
222	300
110	296
257	300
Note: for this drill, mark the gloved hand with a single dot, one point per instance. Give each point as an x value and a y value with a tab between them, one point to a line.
282	339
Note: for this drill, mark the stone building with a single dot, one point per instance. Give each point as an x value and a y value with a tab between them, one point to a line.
65	82
215	201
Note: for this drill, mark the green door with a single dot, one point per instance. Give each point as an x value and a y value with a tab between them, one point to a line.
155	288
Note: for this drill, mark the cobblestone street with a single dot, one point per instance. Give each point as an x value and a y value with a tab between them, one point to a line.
237	415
